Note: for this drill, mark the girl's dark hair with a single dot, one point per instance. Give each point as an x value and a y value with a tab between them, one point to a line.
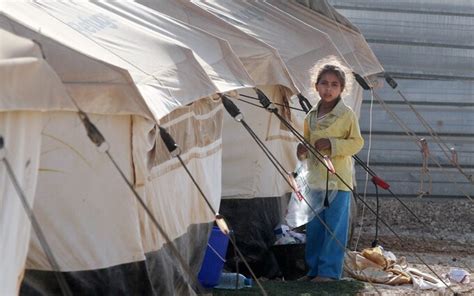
340	74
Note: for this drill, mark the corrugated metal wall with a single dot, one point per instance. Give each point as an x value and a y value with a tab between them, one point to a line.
428	47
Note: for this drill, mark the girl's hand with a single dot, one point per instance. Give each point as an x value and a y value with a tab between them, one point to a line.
322	144
301	152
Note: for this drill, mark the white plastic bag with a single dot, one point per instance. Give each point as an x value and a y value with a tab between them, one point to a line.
307	200
459	275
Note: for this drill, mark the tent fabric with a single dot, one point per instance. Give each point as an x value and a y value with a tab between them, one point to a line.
130	278
29	82
91	215
243	169
248	178
17	47
96	32
247	172
26	83
110	231
88	213
299	51
91	78
261	61
214	54
177	79
22	134
74	13
237	175
264	22
32	85
323	7
349	42
164	185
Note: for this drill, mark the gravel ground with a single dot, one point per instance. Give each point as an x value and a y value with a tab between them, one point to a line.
440	263
444	239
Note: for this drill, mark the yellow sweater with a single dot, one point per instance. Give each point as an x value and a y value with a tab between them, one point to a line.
341	127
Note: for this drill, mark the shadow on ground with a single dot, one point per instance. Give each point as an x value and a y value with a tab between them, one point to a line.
295	288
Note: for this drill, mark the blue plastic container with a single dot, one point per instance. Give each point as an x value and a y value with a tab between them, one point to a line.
214	259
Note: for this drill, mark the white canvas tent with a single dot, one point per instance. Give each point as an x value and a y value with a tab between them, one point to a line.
99	229
28	86
214	54
301	46
261	61
246	172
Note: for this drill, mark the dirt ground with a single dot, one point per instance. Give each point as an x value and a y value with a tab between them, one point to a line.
443	239
440	263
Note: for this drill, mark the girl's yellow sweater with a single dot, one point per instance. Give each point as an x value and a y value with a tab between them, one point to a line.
341	127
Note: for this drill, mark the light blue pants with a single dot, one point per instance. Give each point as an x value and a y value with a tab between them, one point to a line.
324	255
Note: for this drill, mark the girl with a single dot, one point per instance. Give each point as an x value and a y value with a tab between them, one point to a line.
332	127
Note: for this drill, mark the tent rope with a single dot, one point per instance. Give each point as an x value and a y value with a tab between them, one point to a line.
441	144
375	241
425	152
369	149
416	139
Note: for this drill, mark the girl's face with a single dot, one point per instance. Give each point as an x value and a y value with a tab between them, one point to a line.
329	87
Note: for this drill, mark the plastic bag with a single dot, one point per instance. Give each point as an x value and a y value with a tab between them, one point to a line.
459	275
308	199
285	236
